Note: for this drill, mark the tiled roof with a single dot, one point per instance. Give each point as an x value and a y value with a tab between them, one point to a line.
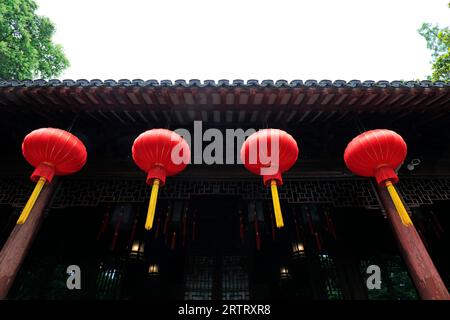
224	83
224	101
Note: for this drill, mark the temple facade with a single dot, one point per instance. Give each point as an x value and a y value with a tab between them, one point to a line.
214	235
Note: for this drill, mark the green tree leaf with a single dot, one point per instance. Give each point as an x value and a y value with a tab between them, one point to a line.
26	47
438	41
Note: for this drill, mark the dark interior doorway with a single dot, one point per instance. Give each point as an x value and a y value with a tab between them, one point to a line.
216	266
217	222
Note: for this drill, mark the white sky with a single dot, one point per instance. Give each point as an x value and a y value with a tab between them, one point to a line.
245	39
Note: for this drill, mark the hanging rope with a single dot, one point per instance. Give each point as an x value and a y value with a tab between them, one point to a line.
359	124
70	127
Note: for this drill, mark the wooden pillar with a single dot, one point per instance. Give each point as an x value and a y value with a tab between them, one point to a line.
421	268
20	240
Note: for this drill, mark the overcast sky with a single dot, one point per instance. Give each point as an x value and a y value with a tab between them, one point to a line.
245	39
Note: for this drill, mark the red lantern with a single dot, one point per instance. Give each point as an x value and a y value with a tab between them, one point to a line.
160	153
269	153
52	152
377	153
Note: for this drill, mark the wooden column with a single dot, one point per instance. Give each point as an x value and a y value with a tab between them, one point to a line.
19	242
421	268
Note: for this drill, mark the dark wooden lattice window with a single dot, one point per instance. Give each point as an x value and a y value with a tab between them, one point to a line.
209	278
234	279
199	278
373	294
396	283
330	277
109	281
399	279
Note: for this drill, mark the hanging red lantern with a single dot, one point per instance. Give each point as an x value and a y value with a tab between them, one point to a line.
377	153
160	153
269	153
52	152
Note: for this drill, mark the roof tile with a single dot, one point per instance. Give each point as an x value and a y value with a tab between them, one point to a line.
222	83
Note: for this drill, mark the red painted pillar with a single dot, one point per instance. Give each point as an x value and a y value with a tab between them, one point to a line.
20	240
426	278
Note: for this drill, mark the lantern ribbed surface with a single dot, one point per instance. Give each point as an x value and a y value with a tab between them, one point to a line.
53	152
256	153
376	153
160	153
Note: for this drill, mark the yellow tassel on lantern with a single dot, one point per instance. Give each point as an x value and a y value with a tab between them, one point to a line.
406	220
276	204
152	205
31	200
